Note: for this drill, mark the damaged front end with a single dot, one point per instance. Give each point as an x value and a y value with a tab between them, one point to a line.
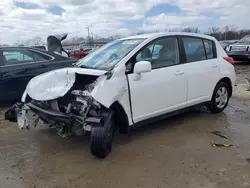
74	113
63	102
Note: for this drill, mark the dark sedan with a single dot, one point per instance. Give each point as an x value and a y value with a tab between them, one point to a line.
240	50
19	64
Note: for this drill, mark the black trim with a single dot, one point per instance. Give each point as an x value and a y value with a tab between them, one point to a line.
130	103
214	49
204	48
183	58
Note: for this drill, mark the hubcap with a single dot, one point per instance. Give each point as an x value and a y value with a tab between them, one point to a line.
221	97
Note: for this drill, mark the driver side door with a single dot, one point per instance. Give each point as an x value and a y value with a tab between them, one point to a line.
164	88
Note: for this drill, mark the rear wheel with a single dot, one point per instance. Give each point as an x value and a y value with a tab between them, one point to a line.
101	138
220	98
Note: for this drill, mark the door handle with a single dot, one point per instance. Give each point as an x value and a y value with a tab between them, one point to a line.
178	73
214	66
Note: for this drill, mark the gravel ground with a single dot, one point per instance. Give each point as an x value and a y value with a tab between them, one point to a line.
176	152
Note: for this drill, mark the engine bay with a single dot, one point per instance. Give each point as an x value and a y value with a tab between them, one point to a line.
75	111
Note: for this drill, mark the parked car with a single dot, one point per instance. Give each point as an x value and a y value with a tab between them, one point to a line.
77	53
19	64
226	43
240	50
80	53
129	82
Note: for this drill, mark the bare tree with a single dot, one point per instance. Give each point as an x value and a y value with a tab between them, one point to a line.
37	40
114	37
230	31
191	30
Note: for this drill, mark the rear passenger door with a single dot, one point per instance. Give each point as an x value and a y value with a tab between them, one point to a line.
202	69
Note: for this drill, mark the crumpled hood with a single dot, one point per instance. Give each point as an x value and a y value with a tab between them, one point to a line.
56	83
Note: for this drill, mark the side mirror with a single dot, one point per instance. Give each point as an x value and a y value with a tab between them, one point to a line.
142	67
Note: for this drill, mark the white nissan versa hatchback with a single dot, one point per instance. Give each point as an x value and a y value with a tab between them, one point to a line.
129	82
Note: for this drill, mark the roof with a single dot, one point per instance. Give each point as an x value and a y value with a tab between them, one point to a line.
155	35
19	47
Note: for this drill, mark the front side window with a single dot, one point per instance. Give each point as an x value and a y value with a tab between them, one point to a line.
194	49
12	57
161	53
107	57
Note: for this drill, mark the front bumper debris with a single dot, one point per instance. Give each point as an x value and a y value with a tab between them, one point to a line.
58	120
22	116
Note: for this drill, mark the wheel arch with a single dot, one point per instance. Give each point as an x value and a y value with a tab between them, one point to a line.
228	82
121	118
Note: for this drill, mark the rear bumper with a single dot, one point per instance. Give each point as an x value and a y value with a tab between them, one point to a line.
239	56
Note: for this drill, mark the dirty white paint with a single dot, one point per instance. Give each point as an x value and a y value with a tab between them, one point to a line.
57	83
107	91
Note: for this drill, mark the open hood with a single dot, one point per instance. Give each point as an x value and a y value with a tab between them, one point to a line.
56	83
54	43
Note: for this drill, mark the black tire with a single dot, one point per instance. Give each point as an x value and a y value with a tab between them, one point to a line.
10	115
213	105
102	137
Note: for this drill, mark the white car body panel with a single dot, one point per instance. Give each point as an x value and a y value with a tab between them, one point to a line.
107	91
155	93
200	82
56	83
158	92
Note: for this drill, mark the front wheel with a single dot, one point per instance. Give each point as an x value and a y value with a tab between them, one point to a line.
220	98
102	137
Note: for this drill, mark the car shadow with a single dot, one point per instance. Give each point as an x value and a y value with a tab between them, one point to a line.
197	120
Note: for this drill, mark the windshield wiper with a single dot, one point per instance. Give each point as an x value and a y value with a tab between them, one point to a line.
84	66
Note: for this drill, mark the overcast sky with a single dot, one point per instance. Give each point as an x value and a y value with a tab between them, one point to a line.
23	19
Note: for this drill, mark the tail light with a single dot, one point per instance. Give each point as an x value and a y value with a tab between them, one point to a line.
229	60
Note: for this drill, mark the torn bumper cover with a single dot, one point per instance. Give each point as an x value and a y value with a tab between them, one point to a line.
54	119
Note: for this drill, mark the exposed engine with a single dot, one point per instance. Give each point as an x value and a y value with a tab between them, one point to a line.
78	106
83	104
77	102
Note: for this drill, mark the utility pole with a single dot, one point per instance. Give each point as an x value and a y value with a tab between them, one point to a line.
88	33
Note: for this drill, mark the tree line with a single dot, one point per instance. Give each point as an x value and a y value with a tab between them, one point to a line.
229	32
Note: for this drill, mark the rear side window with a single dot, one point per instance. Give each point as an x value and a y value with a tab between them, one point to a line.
41	57
194	49
209	49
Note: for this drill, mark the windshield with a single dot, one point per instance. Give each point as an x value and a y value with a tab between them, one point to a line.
246	39
110	55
